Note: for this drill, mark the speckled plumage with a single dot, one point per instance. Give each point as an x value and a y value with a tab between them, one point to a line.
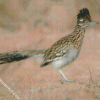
61	53
67	49
68	44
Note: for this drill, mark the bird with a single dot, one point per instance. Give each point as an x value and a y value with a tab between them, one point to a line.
61	53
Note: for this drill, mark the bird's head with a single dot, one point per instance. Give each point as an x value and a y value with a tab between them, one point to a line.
84	18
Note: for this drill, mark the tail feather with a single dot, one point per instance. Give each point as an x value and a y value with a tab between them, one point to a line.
17	56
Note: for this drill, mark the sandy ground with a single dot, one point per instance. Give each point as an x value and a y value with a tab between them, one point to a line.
25	77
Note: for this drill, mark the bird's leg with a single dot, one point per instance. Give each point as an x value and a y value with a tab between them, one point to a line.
64	78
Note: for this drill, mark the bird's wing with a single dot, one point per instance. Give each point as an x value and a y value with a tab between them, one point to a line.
56	51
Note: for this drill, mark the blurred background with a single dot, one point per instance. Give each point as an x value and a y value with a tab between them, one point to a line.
57	15
37	24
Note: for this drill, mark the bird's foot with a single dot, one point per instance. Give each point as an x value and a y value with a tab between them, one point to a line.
62	81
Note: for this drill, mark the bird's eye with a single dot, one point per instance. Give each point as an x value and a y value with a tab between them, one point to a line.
81	20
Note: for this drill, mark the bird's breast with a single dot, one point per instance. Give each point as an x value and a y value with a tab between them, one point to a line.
69	57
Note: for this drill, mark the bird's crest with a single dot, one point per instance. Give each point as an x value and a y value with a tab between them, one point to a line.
83	15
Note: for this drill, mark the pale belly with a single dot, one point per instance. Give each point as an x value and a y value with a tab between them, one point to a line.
66	60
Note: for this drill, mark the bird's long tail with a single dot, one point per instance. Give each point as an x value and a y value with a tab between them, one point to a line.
17	56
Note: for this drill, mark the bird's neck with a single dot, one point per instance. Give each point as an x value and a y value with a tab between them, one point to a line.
79	32
79	29
78	35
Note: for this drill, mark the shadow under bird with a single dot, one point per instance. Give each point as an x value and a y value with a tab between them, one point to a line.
61	53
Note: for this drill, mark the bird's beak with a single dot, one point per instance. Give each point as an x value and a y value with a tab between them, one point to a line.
92	23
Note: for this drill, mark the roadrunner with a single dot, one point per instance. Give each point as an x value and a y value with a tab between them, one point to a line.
61	53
